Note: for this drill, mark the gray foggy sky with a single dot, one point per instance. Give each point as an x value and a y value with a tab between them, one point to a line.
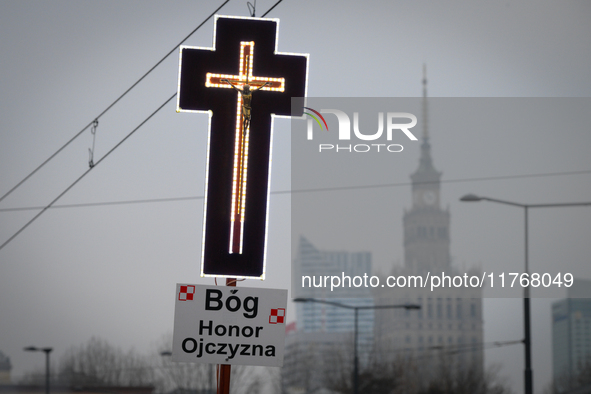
110	271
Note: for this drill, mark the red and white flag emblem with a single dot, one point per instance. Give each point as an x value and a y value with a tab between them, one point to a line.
277	316
186	293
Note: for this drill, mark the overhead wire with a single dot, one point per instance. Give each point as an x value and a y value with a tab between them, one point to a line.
453	350
271	9
326	189
85	173
469	347
95	120
490	178
422	353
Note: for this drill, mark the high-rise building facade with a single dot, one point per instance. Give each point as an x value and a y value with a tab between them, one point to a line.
318	317
321	346
5	367
571	336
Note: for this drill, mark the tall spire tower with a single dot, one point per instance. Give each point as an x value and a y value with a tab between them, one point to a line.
425	107
426	225
450	318
425	180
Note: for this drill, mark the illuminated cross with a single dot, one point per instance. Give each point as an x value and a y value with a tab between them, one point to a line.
240	134
243	116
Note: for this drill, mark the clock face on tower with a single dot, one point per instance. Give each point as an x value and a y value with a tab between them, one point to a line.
429	197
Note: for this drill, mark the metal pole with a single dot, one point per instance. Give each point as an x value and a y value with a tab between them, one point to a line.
356	309
356	359
224	369
528	373
47	351
210	373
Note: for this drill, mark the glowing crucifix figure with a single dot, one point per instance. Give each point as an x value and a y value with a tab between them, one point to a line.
246	80
246	94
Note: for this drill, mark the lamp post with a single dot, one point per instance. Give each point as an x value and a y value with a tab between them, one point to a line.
46	350
528	373
355	335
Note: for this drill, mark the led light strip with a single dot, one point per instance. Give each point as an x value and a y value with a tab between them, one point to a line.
244	77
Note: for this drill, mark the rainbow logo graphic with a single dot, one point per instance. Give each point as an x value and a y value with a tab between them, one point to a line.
315	118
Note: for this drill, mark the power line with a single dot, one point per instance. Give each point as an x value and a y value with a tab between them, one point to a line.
98	204
111	105
271	9
490	178
340	188
469	347
451	350
85	173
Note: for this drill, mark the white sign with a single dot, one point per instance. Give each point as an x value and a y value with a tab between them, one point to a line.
229	325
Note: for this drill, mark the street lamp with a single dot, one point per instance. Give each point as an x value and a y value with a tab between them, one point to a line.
46	350
356	309
528	373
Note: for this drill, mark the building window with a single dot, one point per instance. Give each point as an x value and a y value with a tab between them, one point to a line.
420	302
449	309
422	232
